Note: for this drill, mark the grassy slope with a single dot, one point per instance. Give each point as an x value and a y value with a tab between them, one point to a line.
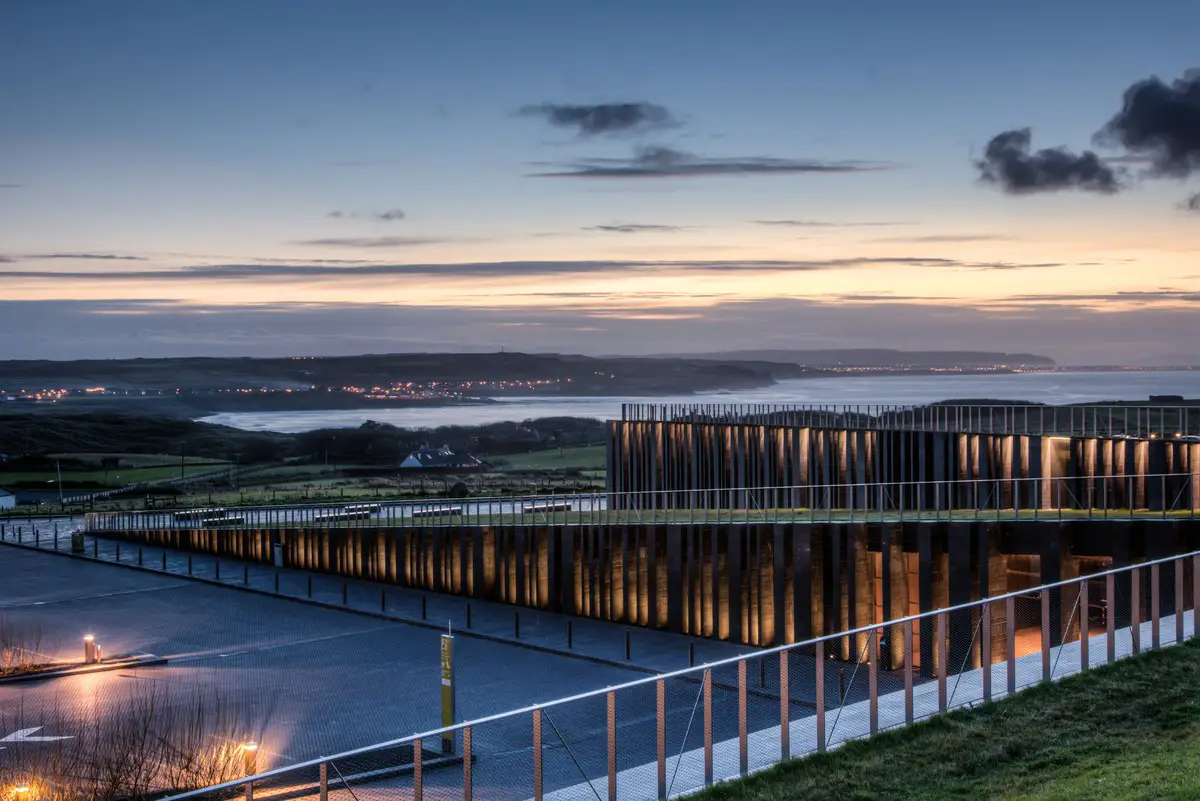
586	457
1127	731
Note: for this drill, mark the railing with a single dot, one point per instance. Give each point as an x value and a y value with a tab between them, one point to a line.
995	418
1161	496
671	734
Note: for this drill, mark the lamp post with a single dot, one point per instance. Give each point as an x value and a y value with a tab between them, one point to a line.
22	792
89	649
250	763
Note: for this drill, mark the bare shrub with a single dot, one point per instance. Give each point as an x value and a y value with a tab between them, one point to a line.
20	648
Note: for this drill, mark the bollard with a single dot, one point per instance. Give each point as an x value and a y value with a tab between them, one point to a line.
189	564
691	654
139	556
276	581
424	607
310	586
250	755
468	614
37	537
95	548
570	636
164	560
217	569
343	593
382	599
245	575
762	673
516	625
626	645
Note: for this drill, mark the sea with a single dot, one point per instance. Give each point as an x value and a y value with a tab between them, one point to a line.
1054	388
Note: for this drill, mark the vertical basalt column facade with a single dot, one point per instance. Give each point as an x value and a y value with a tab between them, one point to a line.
707	465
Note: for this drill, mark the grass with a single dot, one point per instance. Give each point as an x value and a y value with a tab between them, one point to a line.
119	477
585	457
1130	730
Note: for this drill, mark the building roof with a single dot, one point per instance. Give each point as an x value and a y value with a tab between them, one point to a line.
4	492
439	457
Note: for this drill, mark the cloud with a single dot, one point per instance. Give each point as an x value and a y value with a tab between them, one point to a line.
372	242
603	118
11	186
85	256
823	223
934	238
1009	163
1161	122
664	162
391	215
516	269
634	228
1192	203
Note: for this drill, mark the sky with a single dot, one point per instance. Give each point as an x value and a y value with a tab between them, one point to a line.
293	177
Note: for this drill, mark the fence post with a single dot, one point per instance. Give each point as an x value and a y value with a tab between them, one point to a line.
820	695
324	786
660	716
1010	641
873	678
1084	625
908	672
418	777
1045	599
985	648
1135	610
1178	601
612	745
468	784
785	746
708	728
942	661
743	756
1110	618
537	755
1155	576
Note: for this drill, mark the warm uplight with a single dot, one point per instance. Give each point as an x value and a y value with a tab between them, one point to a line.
22	793
250	752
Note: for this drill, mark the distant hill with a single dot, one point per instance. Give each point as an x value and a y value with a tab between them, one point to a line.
882	357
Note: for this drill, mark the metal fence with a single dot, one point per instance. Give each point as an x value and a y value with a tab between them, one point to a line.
1158	495
983	418
671	734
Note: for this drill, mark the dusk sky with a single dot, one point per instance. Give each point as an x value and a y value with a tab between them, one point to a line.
292	177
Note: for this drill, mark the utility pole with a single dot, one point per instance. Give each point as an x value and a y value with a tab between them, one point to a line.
182	459
58	470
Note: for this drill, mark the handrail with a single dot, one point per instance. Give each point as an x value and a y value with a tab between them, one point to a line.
684	672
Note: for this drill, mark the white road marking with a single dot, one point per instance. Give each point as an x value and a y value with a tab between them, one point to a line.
28	736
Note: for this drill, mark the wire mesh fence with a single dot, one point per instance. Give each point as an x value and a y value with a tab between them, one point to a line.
670	734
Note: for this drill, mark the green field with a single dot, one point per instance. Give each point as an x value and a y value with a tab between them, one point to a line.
117	477
587	457
1130	730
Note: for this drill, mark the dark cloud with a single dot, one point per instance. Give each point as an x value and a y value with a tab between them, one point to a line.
603	118
1161	122
85	256
391	215
634	228
824	223
1192	203
664	162
10	186
311	270
372	242
1009	163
